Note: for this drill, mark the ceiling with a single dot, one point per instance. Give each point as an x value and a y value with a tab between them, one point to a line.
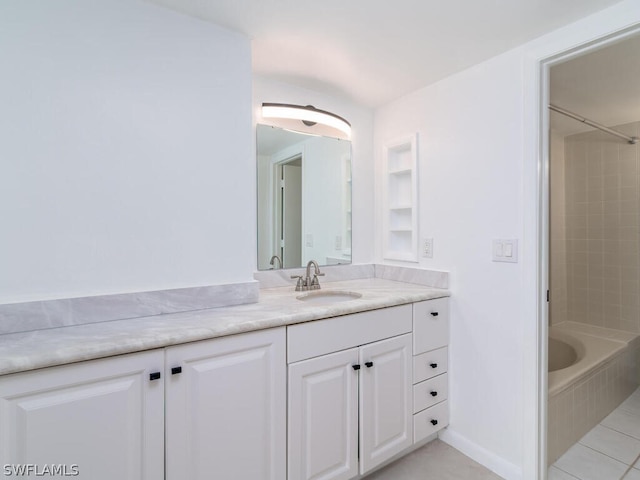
602	86
374	51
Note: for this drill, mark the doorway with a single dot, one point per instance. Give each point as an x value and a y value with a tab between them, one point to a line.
593	267
289	211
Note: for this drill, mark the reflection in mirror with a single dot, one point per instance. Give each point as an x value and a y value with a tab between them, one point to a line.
304	199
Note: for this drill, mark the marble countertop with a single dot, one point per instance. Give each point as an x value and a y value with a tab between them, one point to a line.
275	307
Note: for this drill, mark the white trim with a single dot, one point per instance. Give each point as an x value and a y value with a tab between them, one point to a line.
535	272
481	455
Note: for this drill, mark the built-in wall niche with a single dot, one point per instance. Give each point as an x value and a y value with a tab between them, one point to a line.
400	208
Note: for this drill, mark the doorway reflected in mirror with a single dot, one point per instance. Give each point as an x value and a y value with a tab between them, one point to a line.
304	199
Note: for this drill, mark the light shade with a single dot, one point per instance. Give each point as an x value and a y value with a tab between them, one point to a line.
310	117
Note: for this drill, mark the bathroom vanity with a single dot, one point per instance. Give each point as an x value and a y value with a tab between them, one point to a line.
279	389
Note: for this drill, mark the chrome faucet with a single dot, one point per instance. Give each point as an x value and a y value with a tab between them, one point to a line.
271	262
315	283
308	283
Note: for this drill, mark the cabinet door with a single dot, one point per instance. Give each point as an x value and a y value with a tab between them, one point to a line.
385	400
102	419
226	408
323	417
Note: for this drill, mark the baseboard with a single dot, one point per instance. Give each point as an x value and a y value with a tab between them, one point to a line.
490	460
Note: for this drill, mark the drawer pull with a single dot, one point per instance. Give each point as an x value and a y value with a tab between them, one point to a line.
154	376
355	367
433	365
434	393
434	314
176	370
369	364
434	422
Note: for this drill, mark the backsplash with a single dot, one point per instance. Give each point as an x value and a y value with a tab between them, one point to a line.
337	273
428	278
29	316
40	315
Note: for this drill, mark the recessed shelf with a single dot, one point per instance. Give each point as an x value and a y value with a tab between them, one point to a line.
400	214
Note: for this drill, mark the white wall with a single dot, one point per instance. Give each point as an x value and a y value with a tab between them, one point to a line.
479	149
361	119
125	161
323	190
265	218
467	197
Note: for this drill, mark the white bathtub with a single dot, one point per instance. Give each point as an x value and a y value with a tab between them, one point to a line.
564	352
591	371
587	351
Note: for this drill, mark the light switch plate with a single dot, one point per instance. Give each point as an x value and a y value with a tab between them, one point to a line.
505	250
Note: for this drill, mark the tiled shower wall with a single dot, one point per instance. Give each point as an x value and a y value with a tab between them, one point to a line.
558	232
599	240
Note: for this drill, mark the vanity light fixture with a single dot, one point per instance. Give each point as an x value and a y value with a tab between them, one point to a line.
318	121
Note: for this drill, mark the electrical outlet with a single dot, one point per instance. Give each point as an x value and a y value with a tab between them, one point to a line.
338	242
309	240
427	247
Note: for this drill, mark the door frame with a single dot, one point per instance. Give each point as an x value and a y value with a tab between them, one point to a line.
543	66
277	161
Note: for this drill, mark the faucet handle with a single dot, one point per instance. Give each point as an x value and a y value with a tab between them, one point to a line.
299	283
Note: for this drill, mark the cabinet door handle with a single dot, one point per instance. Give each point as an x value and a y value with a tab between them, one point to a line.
176	370
154	376
434	314
434	393
355	367
369	364
433	365
434	422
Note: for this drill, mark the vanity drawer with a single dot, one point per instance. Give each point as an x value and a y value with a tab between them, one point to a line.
429	421
430	325
430	364
430	392
312	339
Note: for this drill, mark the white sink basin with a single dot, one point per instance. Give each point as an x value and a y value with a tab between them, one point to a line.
328	296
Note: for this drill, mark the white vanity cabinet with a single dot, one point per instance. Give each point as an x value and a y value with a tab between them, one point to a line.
213	409
102	418
326	399
430	365
350	393
226	408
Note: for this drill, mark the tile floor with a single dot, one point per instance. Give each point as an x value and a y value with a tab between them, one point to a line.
434	461
610	451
